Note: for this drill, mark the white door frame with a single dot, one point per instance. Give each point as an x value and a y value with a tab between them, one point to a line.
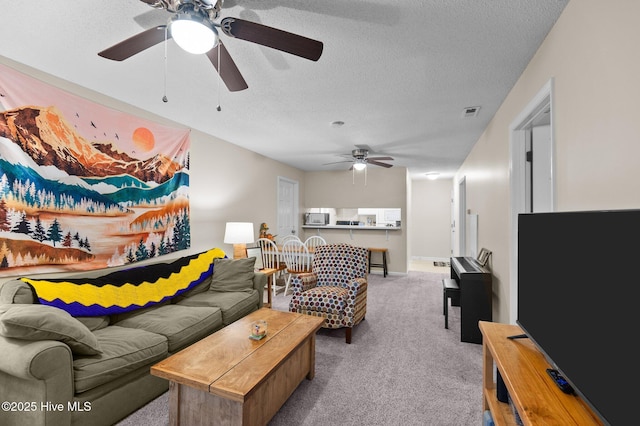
518	131
453	224
462	216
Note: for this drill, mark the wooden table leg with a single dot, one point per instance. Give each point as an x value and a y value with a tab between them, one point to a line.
174	403
312	357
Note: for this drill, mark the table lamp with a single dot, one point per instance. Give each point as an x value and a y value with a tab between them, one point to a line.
239	234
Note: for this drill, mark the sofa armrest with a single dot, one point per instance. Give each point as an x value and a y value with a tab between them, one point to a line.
37	372
259	283
35	360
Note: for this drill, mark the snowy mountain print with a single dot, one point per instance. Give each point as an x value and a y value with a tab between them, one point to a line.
85	187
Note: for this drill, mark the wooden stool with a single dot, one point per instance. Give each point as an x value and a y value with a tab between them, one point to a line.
382	265
450	289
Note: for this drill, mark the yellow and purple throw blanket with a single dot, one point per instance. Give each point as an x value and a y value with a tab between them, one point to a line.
129	289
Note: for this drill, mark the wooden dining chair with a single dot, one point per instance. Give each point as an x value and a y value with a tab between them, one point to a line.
287	238
313	241
296	258
270	257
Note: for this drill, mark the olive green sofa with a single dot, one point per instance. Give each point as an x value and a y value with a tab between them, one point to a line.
59	369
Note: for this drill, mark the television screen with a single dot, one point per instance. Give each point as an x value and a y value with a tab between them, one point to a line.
579	301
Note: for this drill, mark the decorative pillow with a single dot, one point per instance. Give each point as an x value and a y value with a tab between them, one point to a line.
233	274
126	290
39	322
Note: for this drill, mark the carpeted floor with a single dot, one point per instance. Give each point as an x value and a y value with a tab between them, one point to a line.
402	367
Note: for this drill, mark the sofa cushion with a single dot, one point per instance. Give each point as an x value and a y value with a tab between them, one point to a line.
127	289
233	275
234	305
123	350
40	322
16	291
94	323
181	325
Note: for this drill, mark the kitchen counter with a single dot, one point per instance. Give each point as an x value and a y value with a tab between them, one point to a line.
352	228
359	227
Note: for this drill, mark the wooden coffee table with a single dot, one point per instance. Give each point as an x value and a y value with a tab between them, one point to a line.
229	379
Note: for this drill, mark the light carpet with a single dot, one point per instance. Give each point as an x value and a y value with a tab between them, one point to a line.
403	366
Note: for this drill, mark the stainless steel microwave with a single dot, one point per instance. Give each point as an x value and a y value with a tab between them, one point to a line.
316	218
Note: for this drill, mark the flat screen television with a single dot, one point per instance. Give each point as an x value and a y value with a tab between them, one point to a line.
579	301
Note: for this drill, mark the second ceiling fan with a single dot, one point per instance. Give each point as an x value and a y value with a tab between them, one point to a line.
198	17
360	158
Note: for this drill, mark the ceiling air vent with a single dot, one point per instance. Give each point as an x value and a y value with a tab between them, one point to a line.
470	111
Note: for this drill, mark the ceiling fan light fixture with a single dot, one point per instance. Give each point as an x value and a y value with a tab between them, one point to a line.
360	165
193	32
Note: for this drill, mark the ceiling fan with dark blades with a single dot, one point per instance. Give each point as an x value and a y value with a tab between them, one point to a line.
360	158
202	14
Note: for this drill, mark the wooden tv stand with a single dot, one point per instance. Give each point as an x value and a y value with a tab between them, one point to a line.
523	369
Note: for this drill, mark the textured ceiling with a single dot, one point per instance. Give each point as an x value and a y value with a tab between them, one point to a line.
398	73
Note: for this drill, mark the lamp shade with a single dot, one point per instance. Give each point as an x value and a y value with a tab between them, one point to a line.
239	233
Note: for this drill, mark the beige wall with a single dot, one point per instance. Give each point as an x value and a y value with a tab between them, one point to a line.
431	219
592	56
227	183
384	188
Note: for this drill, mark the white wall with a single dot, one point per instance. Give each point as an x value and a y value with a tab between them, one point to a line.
431	219
592	56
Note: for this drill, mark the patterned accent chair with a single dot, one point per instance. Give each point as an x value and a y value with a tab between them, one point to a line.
336	287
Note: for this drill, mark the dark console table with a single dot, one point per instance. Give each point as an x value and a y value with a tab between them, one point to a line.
476	295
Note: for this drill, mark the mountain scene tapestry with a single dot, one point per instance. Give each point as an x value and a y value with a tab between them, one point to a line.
83	186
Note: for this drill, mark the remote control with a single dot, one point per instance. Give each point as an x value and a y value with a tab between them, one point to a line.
560	381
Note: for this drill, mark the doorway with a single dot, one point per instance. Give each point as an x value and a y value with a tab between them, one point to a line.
287	207
532	177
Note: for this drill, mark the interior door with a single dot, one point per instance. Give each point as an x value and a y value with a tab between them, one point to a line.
287	207
540	167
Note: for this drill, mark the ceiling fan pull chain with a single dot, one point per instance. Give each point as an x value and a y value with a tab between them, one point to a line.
164	96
